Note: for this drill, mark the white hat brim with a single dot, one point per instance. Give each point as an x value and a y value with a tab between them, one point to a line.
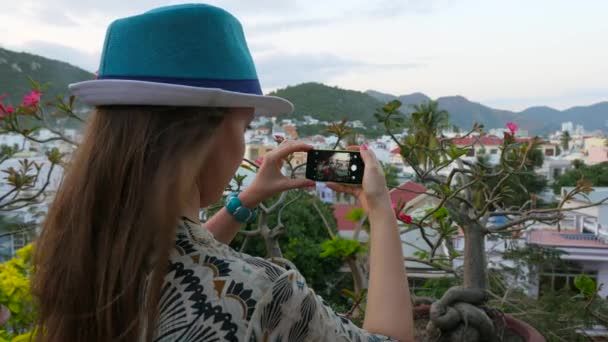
130	92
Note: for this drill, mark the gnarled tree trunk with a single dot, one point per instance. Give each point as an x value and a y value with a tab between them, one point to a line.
457	315
475	263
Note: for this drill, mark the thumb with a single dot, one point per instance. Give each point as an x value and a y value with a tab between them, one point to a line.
368	156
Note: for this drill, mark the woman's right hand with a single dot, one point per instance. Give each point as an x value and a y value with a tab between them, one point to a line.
373	192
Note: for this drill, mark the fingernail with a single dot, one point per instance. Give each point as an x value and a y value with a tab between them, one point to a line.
311	183
364	147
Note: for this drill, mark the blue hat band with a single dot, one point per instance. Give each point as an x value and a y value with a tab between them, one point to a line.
251	86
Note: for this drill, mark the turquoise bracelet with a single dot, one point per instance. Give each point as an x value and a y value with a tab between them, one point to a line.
235	207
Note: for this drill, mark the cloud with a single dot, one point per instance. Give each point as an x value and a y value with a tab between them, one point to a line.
391	8
280	26
82	59
279	70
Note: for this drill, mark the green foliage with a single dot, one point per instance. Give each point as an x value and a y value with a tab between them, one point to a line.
435	288
391	173
557	315
355	214
585	285
318	129
329	103
520	186
425	124
565	140
16	83
341	248
15	293
301	244
596	174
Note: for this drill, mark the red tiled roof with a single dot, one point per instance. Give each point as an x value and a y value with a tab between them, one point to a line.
340	211
406	192
486	140
563	238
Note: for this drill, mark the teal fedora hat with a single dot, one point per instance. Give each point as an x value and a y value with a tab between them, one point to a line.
182	55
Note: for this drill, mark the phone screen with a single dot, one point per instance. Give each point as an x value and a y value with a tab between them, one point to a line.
335	166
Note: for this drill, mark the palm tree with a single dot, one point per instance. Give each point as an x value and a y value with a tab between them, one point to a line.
425	124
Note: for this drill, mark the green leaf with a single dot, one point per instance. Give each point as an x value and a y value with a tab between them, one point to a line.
341	248
355	215
248	167
348	293
585	285
440	213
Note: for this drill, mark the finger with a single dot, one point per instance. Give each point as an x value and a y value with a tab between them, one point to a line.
342	188
368	156
288	148
353	148
297	183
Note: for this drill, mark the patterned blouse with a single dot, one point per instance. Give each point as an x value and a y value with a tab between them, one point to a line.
214	293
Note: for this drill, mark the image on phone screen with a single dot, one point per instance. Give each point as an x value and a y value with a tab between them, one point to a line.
335	166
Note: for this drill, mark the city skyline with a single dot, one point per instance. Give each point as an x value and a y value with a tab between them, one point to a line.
505	55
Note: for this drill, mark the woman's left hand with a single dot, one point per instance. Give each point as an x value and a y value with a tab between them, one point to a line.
269	179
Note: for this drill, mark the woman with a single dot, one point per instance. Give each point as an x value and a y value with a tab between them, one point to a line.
122	255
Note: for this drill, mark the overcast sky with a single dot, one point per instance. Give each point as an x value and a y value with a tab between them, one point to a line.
509	54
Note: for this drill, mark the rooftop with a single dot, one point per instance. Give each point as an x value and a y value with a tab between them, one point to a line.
564	238
486	140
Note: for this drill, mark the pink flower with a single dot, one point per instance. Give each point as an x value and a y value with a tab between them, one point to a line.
31	99
397	207
5	110
512	126
405	218
259	161
279	139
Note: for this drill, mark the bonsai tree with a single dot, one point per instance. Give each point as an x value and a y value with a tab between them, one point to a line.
470	194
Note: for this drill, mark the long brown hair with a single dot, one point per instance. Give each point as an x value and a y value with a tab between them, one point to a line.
106	239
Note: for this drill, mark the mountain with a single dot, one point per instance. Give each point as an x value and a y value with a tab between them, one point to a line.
15	67
593	117
315	99
464	113
329	103
537	120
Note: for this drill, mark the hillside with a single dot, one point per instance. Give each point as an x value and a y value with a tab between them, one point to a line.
317	100
330	103
537	120
15	67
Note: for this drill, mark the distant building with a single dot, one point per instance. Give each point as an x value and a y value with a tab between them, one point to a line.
490	144
255	151
324	193
568	127
290	131
309	120
584	254
593	219
579	130
554	167
595	150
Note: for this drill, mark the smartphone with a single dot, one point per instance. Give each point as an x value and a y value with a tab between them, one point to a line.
334	166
